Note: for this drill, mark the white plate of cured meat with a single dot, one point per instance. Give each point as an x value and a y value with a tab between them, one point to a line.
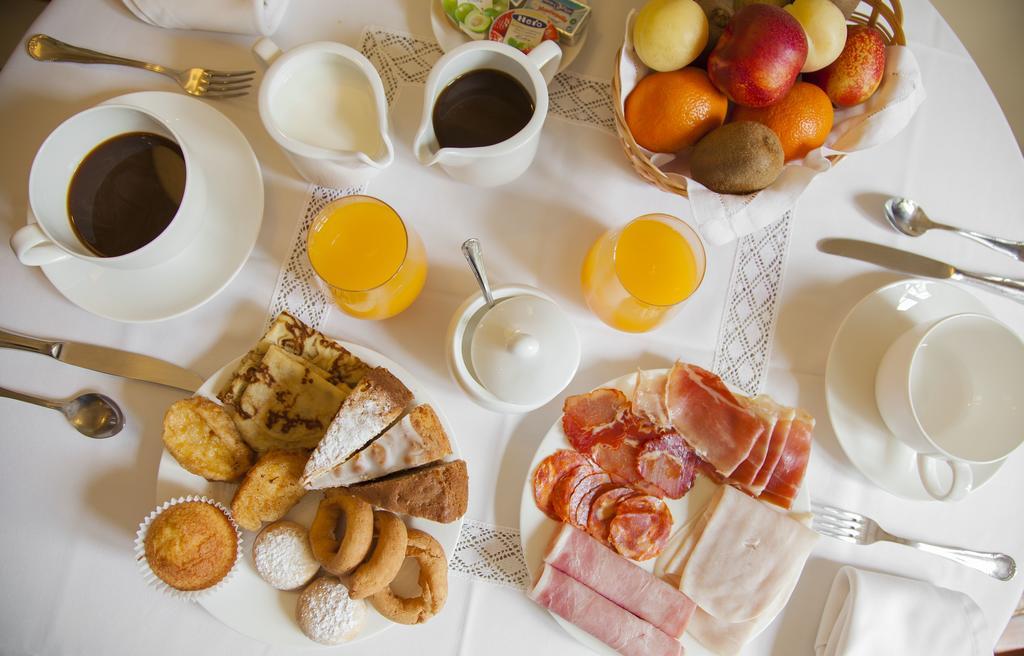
537	528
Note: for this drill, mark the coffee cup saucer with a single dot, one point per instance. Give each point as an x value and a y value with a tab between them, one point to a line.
857	349
232	219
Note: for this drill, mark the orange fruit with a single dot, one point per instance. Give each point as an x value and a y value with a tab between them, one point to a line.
669	111
802	119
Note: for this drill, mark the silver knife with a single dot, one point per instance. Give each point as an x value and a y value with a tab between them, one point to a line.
919	265
106	360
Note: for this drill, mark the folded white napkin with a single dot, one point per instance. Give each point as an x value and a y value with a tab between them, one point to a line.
723	218
868	613
236	16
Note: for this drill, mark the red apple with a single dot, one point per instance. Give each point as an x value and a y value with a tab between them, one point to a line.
855	75
758	56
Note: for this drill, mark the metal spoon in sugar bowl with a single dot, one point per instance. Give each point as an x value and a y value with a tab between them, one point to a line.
909	218
93	415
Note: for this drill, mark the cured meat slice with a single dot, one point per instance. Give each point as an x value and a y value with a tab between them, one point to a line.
582	495
547	474
776	445
619	460
768	412
649	397
709	417
599	568
641	527
789	472
604	619
592	416
562	492
581	513
745	557
668	463
602	510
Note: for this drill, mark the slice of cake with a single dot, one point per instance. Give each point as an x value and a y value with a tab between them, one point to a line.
438	492
374	404
418	439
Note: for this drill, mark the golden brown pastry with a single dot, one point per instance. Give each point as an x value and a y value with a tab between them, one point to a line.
341	556
438	492
270	489
204	440
433	584
191	545
381	567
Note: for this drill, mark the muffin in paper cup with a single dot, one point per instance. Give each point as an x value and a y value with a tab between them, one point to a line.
155	581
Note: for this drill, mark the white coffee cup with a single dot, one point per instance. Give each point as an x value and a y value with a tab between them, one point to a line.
324	105
52	238
489	166
951	391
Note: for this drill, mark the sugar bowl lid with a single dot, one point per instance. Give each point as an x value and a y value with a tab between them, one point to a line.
524	349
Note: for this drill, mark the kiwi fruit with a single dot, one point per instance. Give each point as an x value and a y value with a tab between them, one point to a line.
737	158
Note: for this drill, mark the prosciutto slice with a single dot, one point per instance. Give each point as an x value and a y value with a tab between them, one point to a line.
789	472
776	446
604	619
768	412
599	568
649	397
710	418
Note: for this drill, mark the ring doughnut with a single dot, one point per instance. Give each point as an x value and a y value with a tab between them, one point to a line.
383	563
340	556
433	584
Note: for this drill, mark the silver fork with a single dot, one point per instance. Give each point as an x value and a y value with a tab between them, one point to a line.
204	82
858	529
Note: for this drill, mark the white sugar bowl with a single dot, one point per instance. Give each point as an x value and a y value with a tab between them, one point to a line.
515	355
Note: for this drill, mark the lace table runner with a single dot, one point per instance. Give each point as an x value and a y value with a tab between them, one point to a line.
485	551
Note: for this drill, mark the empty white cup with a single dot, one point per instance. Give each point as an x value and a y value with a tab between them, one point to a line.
951	391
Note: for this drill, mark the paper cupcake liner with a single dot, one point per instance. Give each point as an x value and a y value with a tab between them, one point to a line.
155	581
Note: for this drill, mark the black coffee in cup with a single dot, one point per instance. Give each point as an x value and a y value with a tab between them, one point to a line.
125	192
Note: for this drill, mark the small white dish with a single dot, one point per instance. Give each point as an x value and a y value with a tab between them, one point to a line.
450	37
873	324
231	223
515	356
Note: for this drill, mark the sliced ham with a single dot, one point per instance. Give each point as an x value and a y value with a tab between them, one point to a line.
767	412
745	557
710	419
649	397
605	620
776	445
789	473
599	568
669	464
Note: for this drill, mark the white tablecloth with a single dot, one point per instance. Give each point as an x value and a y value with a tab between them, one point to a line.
70	506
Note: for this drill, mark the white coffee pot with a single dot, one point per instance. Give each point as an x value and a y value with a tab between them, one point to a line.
489	166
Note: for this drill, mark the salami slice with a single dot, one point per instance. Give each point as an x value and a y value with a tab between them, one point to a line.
583	496
669	464
549	472
596	415
561	495
602	510
641	527
620	461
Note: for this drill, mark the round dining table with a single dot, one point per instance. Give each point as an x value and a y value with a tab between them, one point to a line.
764	319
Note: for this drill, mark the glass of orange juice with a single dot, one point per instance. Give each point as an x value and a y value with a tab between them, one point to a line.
635	278
372	262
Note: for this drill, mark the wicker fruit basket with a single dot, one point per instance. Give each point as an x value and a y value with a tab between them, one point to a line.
885	15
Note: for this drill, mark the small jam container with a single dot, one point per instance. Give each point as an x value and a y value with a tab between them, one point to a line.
516	355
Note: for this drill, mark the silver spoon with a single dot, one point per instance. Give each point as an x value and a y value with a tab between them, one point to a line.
93	415
475	257
909	218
